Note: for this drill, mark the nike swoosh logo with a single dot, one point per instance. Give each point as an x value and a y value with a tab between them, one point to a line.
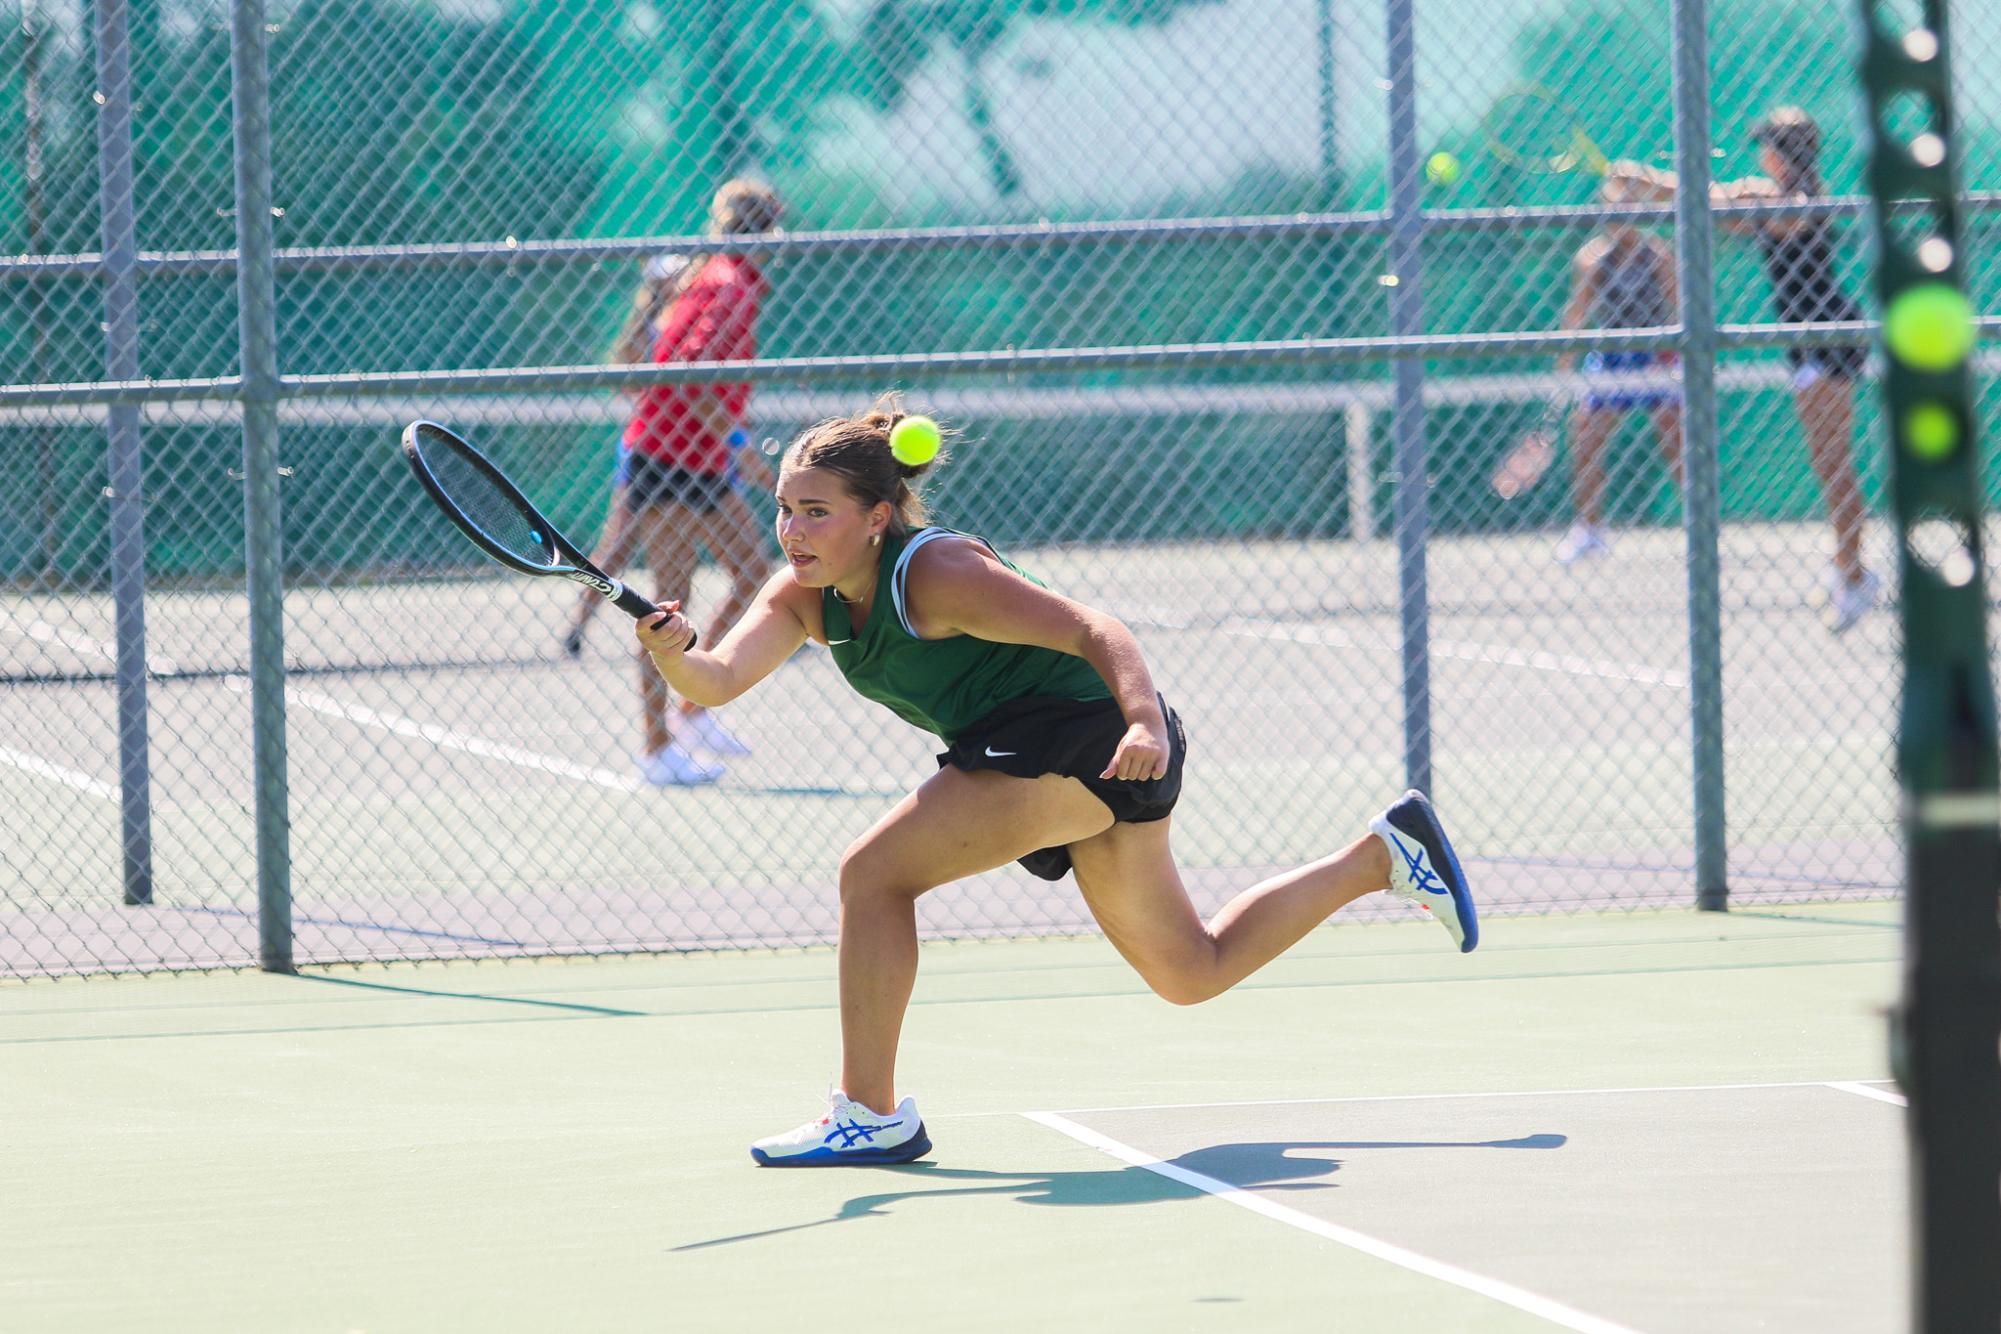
832	642
1000	754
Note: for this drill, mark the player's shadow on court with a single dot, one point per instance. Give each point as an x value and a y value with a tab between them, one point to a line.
1268	1166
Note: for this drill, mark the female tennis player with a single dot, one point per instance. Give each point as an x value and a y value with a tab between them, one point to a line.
1799	261
1059	755
1622	278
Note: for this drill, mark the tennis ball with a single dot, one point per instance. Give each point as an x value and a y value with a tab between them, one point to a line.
915	441
1931	431
1930	327
1442	168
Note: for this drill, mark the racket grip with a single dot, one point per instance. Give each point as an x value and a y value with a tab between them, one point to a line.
638	608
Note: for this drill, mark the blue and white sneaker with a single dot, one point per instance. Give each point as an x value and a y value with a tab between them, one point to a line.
1423	869
849	1135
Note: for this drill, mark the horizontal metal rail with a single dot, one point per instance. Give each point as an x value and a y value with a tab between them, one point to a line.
1014	402
1294	353
512	252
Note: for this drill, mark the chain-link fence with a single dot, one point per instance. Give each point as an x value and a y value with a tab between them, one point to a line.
1209	285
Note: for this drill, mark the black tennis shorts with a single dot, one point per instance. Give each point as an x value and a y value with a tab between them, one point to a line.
1045	734
655	482
1836	363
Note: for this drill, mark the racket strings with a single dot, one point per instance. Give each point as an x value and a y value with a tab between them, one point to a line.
486	502
1533	129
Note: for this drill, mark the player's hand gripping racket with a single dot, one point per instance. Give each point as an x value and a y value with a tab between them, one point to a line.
1530	127
491	511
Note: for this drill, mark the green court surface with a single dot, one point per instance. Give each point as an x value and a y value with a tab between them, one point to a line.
1644	1121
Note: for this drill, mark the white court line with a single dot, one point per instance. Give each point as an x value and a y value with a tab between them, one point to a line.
1507	1293
446	739
41	768
44	633
1870	1091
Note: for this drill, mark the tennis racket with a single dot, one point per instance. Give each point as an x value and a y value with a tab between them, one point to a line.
477	497
1532	128
1529	458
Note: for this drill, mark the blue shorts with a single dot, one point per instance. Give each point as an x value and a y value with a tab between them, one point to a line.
1627	400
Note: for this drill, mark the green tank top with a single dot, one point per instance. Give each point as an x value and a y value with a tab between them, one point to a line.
942	685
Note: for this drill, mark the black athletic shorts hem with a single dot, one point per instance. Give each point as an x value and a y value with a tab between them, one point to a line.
1047	734
656	482
1836	363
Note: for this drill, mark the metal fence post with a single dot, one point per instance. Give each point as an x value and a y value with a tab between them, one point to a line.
1328	71
1701	503
256	288
1413	513
126	489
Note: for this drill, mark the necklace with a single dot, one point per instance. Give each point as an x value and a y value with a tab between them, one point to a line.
864	597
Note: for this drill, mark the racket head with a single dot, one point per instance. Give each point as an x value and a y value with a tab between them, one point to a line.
477	497
1531	127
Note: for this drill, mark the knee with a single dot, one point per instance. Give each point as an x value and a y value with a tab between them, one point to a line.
866	877
854	872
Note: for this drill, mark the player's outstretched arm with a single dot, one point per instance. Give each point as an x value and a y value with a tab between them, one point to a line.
765	636
1656	185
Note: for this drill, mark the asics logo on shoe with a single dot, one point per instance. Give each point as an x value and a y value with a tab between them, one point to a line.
853	1131
1001	754
1421	875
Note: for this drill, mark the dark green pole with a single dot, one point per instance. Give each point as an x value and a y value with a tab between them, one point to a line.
1702	503
118	206
256	293
1946	1043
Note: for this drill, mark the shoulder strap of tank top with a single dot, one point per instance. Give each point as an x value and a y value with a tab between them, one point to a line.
899	576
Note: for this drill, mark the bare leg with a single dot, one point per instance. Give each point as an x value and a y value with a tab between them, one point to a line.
615	547
1589	429
1130	881
955	825
1827	411
1667	429
663	529
731	534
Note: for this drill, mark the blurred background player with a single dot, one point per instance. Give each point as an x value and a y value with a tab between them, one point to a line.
681	452
1799	261
658	284
1622	278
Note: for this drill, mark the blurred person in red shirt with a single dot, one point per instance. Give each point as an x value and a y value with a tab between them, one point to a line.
683	446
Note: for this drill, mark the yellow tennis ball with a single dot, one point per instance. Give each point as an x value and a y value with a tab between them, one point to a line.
1442	168
1931	431
1930	327
915	441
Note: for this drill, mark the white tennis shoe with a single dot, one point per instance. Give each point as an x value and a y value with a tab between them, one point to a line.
673	766
1423	870
849	1135
1848	603
706	730
1584	541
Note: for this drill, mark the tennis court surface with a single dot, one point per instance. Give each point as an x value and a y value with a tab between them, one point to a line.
1644	1121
